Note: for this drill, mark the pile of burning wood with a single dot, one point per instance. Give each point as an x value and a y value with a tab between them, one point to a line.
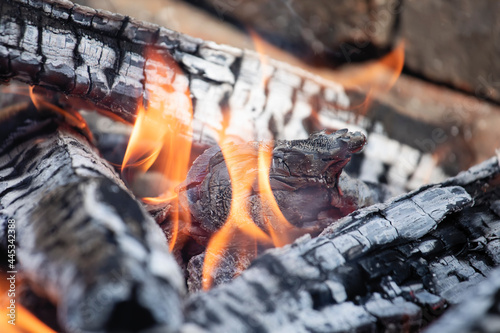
226	208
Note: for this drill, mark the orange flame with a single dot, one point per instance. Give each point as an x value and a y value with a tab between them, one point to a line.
70	116
280	229
241	166
21	320
376	77
246	168
162	135
260	47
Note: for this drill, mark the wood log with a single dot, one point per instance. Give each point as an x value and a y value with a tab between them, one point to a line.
331	31
389	267
100	57
81	239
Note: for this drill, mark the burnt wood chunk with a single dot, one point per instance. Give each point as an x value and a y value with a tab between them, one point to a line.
83	241
374	270
302	172
477	313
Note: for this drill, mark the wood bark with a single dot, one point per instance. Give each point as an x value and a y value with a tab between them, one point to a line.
389	267
82	240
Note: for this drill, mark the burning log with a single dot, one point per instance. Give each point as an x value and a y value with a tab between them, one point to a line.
393	266
301	172
82	240
267	185
100	57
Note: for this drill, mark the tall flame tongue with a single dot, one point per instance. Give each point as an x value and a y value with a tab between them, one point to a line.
160	144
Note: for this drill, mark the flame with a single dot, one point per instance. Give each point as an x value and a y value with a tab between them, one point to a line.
162	135
71	117
247	168
281	231
260	47
25	321
241	166
376	77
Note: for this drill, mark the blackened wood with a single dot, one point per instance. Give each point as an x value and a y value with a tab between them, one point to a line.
82	240
389	267
100	56
479	312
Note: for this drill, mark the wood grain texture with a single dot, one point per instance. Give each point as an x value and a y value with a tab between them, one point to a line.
82	240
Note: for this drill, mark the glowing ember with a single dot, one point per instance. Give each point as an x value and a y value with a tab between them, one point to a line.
160	143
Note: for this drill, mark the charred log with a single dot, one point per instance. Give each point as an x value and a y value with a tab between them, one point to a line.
301	171
100	57
82	240
389	267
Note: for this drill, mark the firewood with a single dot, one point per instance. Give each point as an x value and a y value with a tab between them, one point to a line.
100	57
303	173
389	267
81	239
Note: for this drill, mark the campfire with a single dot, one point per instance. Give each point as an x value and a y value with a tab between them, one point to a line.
156	182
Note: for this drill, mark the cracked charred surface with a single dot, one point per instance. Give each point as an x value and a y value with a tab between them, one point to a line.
82	240
389	267
302	172
99	56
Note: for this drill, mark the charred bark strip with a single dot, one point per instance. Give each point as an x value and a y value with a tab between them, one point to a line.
82	240
389	267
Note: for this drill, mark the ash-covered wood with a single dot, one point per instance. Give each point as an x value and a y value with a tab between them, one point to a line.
100	56
479	312
389	267
82	240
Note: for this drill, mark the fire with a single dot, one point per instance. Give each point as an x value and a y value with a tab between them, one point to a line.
376	77
247	168
161	139
25	321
